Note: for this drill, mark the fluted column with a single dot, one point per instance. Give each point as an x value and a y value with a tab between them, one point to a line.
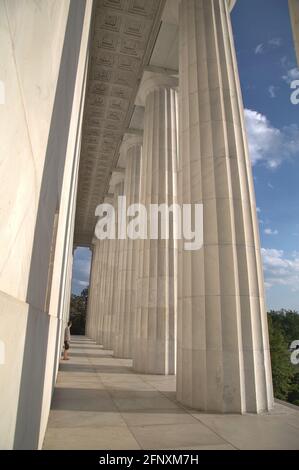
294	14
93	299
109	289
154	350
98	292
108	322
90	311
223	347
118	191
96	296
103	287
123	340
132	147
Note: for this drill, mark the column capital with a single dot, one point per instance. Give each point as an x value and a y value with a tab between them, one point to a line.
119	188
131	140
151	81
117	178
231	4
118	175
108	199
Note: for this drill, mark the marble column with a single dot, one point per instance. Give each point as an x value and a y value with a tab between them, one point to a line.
107	295
107	333
97	306
93	296
294	14
88	310
132	148
111	274
154	350
118	191
103	287
88	324
223	347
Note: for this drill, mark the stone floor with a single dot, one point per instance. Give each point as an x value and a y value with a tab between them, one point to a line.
100	403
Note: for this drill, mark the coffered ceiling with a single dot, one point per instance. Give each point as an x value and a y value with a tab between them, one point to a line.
127	38
123	35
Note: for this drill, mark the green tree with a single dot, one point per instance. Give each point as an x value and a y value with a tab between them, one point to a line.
282	369
78	309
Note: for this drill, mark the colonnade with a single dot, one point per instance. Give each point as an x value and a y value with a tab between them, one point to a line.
205	308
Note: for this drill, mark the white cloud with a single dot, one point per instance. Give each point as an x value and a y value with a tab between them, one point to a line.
81	283
269	231
259	49
272	43
268	285
291	75
258	211
272	91
81	268
267	143
276	42
280	270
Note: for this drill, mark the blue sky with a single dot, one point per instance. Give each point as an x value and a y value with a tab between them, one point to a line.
267	64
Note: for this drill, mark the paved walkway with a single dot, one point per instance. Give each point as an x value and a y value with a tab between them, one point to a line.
100	403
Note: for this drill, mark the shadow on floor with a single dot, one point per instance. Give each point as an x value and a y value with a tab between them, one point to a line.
85	399
82	399
91	355
103	368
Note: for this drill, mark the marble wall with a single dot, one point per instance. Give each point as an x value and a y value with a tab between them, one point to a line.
40	138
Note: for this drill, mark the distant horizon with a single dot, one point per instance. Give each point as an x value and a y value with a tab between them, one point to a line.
280	310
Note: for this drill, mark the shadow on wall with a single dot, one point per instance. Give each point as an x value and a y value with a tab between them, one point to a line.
37	332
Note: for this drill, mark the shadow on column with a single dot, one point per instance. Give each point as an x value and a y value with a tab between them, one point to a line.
29	411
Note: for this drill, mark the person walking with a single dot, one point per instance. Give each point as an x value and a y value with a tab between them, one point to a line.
67	340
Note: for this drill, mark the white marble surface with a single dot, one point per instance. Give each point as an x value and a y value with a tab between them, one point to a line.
294	14
128	259
39	162
96	266
30	76
103	286
100	403
113	324
223	347
13	320
108	289
155	343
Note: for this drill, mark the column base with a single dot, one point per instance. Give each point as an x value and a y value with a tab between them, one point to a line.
214	381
